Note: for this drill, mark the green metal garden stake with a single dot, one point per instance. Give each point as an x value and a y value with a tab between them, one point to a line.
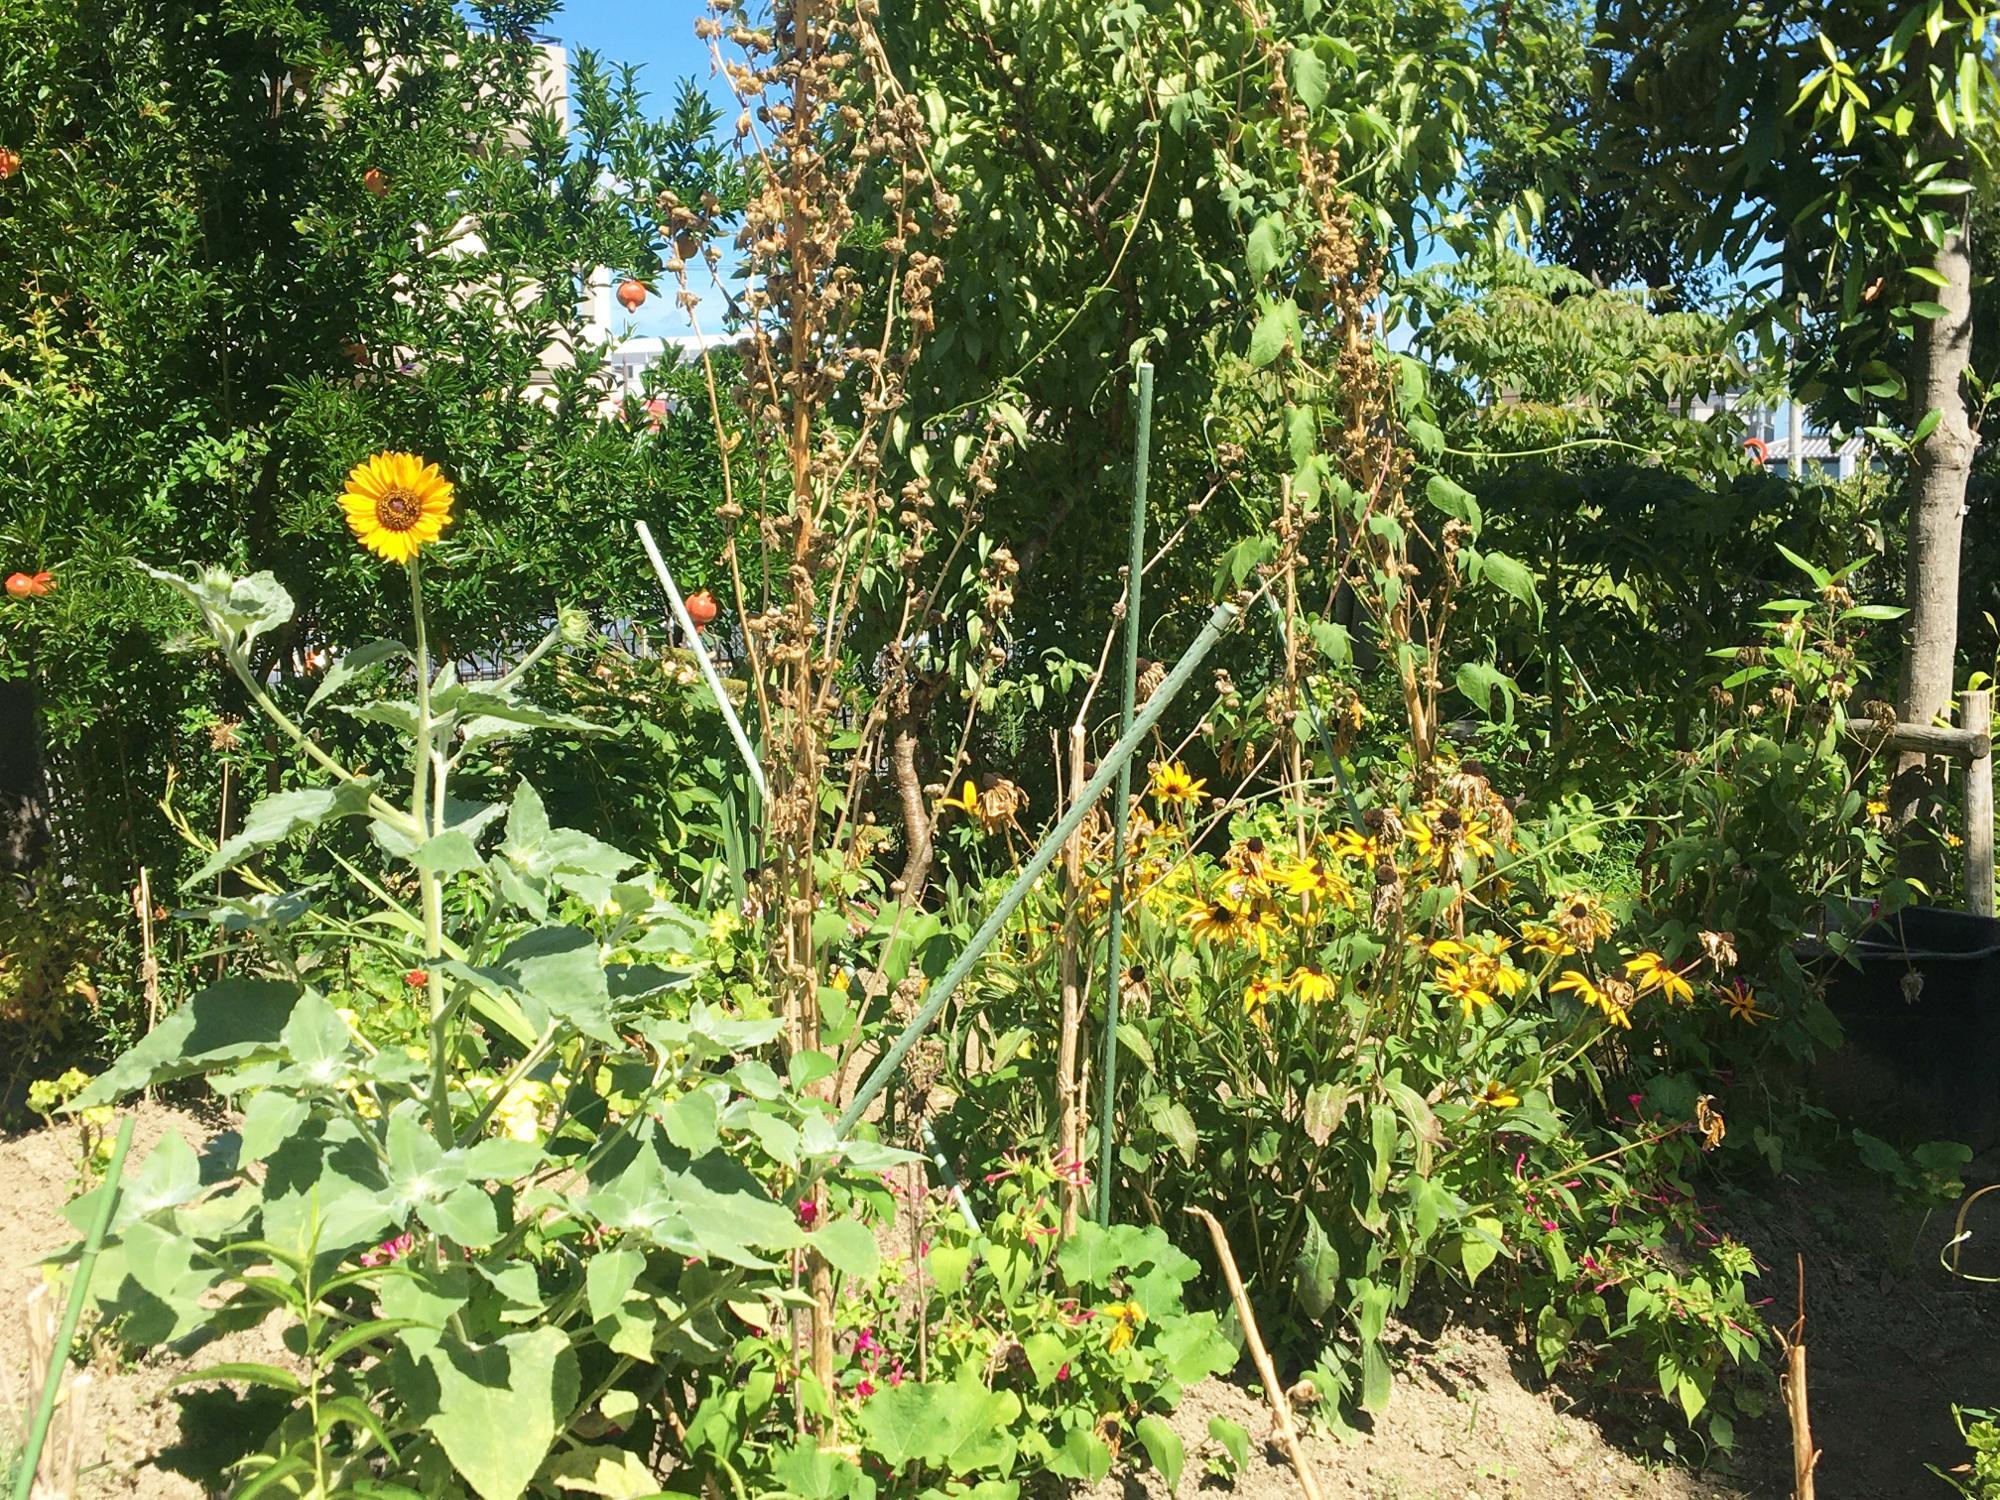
1113	963
45	1410
1219	620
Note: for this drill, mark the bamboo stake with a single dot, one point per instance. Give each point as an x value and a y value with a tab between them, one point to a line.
1114	962
149	963
1792	1385
1069	1097
1281	1406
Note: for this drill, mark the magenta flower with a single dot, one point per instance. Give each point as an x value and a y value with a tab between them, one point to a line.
389	1250
808	1213
864	1388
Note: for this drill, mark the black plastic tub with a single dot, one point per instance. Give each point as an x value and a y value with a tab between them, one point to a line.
1920	1005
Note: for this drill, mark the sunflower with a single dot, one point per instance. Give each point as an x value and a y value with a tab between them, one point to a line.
1651	972
1310	985
396	505
1496	1095
1172	786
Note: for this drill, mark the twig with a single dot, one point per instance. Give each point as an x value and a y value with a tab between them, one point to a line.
1281	1408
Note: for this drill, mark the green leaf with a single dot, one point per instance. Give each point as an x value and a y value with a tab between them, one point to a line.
960	1427
1512	577
1277	325
1309	77
848	1246
1264	252
1479	1246
225	1023
278	818
352	665
240	609
948	1266
1426	435
1233	1440
499	1406
1454	500
242	1372
1163	1447
598	1470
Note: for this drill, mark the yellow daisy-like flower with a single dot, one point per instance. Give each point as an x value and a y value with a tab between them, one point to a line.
1257	998
1231	918
1172	786
1464	987
1539	937
1496	1095
1877	808
1652	972
1742	1003
1587	991
1125	1320
396	505
1310	985
1313	880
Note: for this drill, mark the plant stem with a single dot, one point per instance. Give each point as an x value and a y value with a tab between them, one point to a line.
428	884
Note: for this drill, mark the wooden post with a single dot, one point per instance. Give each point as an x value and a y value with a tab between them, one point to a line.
1978	722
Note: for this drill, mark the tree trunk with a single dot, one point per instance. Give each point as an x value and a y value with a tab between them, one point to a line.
1942	465
918	842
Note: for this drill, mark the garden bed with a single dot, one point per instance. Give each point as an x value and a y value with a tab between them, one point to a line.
1894	1341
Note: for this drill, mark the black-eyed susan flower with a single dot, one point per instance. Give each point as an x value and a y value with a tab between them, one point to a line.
1230	917
1741	1001
1540	937
1172	786
1257	998
1312	880
967	802
1649	971
1310	985
396	505
1582	919
1496	1095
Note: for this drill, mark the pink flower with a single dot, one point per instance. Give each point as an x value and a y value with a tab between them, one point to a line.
389	1250
1063	1373
896	1373
864	1342
808	1213
864	1388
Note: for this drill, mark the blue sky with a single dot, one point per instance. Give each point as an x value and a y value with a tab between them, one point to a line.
660	40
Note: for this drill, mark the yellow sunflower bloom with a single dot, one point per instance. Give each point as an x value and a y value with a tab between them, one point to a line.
1464	987
396	505
1496	1095
1313	880
1257	998
1227	917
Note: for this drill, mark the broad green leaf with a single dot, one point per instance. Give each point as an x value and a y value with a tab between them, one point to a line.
1309	79
960	1427
279	817
352	665
499	1406
1277	325
225	1023
597	1470
1163	1447
1512	577
1264	253
1479	1245
1233	1440
848	1246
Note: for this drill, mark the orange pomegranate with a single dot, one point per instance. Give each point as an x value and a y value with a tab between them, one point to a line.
631	293
30	585
10	162
701	608
376	181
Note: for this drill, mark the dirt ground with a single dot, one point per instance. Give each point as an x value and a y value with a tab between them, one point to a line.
1893	1340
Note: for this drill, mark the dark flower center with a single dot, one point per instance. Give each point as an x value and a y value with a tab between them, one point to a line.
398	510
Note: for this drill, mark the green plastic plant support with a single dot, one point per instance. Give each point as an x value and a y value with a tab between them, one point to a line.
1115	934
1219	621
45	1409
953	1187
708	672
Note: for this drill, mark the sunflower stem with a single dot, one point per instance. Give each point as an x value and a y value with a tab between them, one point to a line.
428	883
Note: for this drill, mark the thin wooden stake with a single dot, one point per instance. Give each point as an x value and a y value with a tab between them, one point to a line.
1281	1406
1792	1385
149	963
1978	722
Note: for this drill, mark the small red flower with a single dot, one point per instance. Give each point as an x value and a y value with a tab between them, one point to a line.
416	979
808	1213
864	1388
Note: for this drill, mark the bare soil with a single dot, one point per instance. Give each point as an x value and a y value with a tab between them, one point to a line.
1894	1340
